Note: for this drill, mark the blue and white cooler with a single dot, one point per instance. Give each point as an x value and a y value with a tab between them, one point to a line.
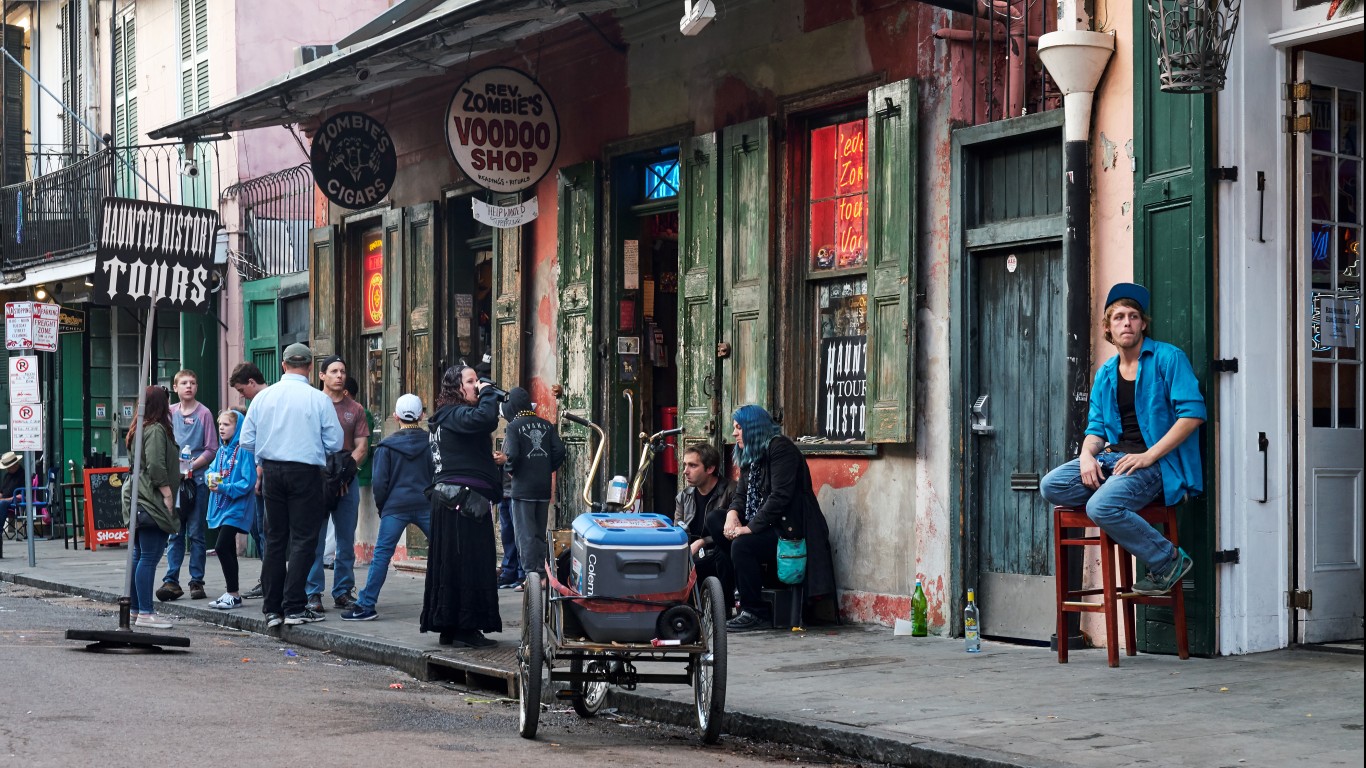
643	557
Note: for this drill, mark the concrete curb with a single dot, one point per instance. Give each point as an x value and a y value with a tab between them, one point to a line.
845	742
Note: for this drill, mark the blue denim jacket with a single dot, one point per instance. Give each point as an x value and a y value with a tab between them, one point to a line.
1166	390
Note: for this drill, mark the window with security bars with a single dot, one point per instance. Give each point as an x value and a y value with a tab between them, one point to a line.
661	180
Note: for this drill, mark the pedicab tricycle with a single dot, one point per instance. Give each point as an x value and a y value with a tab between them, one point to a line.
622	596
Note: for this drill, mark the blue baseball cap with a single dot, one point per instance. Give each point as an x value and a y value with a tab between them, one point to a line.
1132	291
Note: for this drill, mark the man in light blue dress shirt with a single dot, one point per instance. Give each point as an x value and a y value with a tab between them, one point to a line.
291	428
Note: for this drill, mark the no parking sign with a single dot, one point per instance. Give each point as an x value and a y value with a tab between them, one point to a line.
26	426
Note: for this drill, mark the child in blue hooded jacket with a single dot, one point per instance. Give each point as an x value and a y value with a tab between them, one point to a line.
232	503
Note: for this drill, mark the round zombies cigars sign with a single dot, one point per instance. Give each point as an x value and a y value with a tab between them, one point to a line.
502	129
353	160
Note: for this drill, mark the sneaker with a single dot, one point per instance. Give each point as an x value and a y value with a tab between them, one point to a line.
304	617
227	602
152	621
466	638
169	591
519	587
509	584
197	591
357	613
344	601
1156	584
746	622
315	604
274	620
255	593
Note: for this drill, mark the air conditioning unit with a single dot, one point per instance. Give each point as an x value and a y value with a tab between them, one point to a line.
306	54
697	14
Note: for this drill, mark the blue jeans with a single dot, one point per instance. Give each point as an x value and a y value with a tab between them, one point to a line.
1114	504
147	549
391	526
511	570
344	564
529	520
258	528
193	528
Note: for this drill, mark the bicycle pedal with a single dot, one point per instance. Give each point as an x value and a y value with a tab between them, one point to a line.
566	694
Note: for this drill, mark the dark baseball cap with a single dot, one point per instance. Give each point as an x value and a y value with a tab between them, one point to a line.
1132	291
298	354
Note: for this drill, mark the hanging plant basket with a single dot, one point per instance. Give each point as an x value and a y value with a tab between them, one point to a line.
1193	38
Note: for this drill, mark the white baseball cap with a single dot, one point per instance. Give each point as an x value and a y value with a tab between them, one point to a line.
408	408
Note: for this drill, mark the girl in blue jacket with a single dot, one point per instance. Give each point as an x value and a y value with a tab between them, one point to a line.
232	504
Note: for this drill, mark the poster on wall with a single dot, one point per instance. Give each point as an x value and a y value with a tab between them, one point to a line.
353	160
151	249
502	129
843	385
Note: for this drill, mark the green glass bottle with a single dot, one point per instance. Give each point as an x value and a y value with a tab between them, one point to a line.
919	609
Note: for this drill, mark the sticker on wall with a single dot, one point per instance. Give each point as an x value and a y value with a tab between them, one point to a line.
630	264
101	411
1012	263
502	129
628	345
353	160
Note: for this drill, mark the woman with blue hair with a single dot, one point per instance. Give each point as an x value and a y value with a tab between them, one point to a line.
774	500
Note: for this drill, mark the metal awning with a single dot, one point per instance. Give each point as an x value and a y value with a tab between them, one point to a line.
446	36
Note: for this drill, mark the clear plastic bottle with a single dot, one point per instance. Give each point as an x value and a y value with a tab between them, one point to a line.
972	625
186	460
919	612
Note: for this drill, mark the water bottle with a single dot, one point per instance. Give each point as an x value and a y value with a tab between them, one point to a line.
919	609
617	490
186	460
972	626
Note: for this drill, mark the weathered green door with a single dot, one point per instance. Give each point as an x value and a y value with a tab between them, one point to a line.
261	326
699	398
322	292
579	356
1174	258
747	265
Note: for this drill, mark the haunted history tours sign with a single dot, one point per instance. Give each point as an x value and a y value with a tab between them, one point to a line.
153	251
502	129
843	387
353	160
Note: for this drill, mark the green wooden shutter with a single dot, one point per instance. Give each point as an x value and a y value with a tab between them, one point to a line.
419	301
261	326
580	199
747	265
507	301
1173	258
13	137
698	212
395	251
322	291
892	116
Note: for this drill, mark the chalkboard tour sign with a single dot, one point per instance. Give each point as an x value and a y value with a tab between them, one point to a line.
150	250
104	521
353	160
843	387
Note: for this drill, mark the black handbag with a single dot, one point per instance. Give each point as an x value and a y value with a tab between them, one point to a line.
186	499
451	497
145	519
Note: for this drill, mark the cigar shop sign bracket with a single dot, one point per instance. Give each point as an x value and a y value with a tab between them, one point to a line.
502	130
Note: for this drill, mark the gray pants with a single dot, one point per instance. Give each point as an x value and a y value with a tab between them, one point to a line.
529	522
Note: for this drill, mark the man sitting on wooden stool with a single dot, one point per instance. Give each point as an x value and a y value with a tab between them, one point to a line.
1145	409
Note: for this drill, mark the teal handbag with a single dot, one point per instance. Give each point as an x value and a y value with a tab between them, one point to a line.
791	561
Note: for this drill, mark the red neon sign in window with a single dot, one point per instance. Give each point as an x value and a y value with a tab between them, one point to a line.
839	196
372	283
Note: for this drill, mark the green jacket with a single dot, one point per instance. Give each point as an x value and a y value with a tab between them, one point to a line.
160	460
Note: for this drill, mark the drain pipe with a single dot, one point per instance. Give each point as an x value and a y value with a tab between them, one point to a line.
1076	58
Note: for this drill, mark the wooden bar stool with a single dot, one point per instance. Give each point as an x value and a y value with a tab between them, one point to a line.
1114	562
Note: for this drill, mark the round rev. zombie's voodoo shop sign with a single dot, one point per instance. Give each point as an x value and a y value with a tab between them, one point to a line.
353	160
502	129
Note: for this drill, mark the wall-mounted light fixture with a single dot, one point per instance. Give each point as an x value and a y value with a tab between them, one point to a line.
40	293
697	14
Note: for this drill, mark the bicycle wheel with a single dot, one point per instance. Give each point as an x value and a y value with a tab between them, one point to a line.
709	667
531	656
590	695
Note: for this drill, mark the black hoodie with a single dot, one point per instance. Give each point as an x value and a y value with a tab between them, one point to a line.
402	472
533	448
464	449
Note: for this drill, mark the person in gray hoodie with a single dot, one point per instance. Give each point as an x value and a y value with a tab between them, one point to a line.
534	451
400	475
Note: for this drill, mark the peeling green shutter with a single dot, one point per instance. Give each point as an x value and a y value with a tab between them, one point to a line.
577	335
507	301
392	375
698	212
892	114
322	291
419	271
747	265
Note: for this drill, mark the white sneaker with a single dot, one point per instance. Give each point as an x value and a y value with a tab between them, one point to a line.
153	621
227	602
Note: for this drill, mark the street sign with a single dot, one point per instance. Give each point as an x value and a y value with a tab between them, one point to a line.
18	325
26	426
23	380
153	251
46	319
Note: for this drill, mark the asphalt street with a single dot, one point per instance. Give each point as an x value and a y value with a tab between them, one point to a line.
246	699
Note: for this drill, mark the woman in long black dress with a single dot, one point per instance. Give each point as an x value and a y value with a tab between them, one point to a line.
461	596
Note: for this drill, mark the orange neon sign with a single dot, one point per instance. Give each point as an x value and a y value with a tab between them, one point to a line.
372	284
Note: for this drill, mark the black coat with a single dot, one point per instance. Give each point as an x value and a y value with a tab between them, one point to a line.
464	445
790	505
